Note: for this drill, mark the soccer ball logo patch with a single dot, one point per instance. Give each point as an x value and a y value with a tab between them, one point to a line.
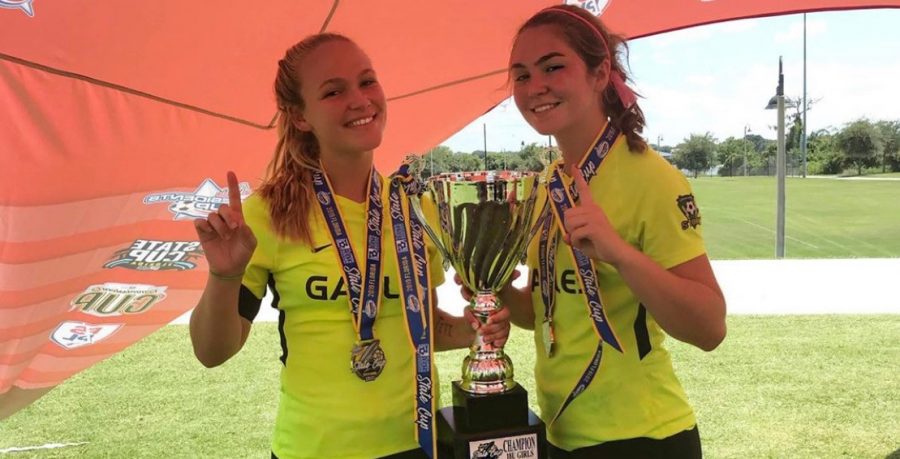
691	212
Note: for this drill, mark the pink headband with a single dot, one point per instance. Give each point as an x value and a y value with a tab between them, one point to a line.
626	95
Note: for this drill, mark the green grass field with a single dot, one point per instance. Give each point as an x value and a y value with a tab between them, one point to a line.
779	387
798	387
825	218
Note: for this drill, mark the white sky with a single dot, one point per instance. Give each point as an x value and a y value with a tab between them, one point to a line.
718	78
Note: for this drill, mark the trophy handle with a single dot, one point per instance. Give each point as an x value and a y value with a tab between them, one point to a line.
420	215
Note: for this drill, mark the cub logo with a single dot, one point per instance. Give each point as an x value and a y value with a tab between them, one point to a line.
112	299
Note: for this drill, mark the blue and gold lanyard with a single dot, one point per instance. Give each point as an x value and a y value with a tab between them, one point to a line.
561	198
363	315
416	287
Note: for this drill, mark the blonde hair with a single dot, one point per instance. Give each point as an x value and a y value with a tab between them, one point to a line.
287	187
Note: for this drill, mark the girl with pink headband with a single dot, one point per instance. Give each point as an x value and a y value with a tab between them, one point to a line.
618	262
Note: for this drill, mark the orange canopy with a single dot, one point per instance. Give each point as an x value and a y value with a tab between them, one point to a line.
119	119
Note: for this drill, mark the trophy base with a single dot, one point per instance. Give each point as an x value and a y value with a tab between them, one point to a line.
491	425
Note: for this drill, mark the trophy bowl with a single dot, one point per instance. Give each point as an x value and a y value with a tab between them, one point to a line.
483	228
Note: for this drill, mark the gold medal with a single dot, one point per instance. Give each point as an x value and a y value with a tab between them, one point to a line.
549	338
367	359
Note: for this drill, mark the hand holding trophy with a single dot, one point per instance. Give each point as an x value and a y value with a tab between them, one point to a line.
484	225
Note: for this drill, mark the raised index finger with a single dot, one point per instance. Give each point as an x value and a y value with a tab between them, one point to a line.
234	192
584	191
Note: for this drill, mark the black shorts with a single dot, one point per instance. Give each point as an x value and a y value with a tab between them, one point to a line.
683	445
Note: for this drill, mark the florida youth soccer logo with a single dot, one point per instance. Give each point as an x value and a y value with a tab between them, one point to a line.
203	201
487	451
595	7
148	255
71	334
371	309
557	195
602	150
690	210
323	198
112	299
24	5
412	303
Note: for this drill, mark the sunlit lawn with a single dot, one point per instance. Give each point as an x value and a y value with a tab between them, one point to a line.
825	218
779	386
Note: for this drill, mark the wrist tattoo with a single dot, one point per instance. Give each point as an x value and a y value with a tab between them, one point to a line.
444	328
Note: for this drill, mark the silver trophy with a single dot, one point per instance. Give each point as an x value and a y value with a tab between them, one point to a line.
484	223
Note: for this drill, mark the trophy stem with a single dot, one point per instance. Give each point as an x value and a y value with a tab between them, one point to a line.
487	369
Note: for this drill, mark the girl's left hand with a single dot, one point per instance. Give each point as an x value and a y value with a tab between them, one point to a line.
496	331
588	229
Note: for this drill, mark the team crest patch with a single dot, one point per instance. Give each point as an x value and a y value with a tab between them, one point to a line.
26	6
71	334
203	201
691	212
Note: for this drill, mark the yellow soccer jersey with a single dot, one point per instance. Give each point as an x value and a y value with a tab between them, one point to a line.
325	410
635	394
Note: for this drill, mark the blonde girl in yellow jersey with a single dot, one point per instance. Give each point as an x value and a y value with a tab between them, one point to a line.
332	239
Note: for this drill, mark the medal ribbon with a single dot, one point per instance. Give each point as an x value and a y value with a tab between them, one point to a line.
370	293
563	198
547	260
416	287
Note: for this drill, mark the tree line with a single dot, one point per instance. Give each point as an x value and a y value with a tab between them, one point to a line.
531	157
857	147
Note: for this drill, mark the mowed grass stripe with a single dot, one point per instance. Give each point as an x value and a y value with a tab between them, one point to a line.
818	386
825	218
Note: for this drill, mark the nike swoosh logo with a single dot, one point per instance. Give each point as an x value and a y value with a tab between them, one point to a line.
319	249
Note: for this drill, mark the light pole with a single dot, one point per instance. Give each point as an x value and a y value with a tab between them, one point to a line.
550	155
777	101
803	135
746	131
485	147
